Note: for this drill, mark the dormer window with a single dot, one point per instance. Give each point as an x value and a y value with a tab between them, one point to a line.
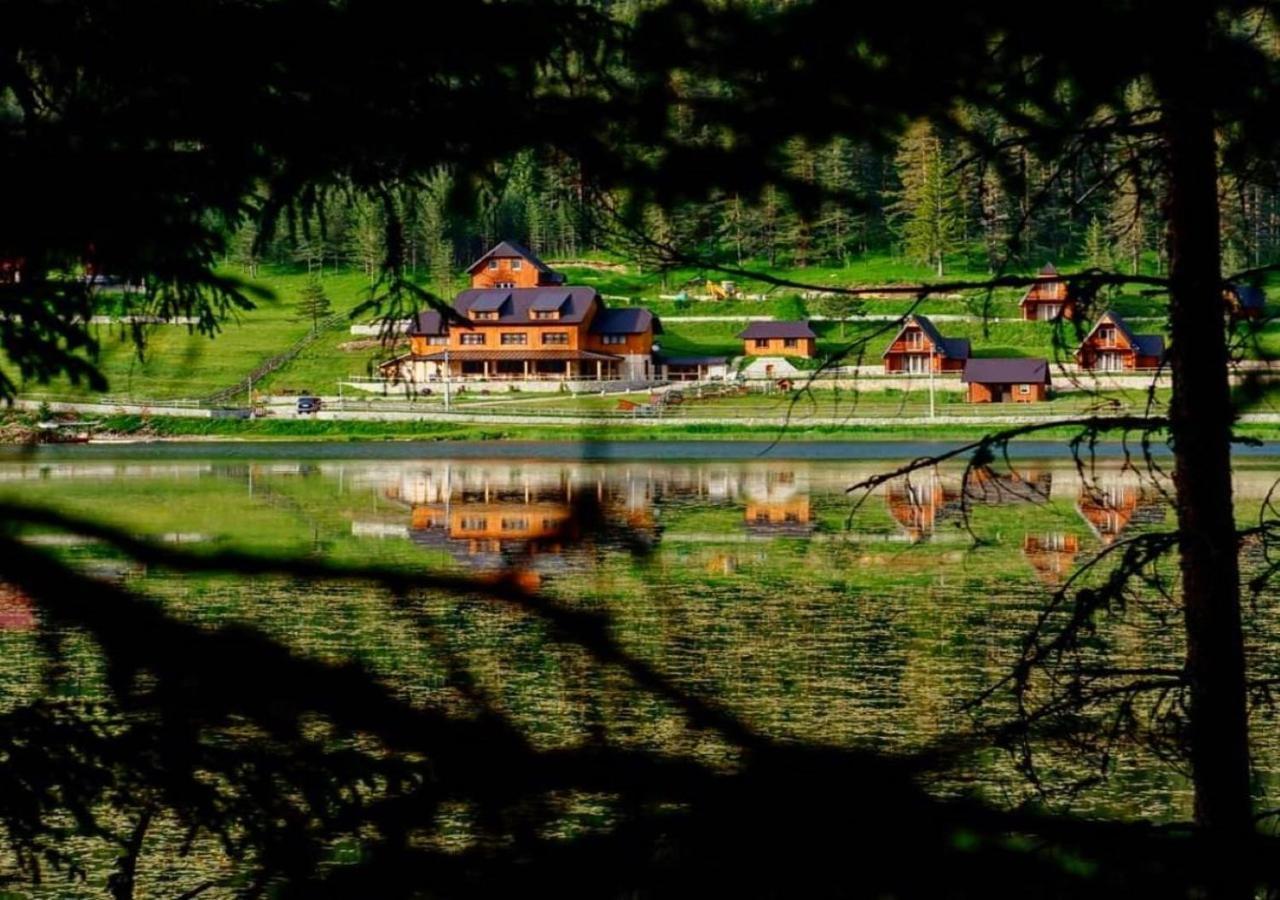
546	314
485	316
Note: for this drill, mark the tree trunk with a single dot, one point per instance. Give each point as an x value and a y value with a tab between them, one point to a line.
1200	426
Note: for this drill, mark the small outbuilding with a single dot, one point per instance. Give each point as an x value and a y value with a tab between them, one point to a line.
779	339
919	347
1048	298
692	368
1112	347
1006	380
1244	301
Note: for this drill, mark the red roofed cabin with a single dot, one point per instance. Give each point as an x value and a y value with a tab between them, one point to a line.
539	330
779	339
918	347
1007	380
1048	298
1112	347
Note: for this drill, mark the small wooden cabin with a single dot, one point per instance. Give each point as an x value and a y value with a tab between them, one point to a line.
1244	301
919	347
1048	299
1112	347
779	339
1007	380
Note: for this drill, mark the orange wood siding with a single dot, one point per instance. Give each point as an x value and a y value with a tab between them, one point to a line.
632	345
986	393
805	347
526	276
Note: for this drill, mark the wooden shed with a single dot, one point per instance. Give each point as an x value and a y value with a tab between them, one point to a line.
1007	380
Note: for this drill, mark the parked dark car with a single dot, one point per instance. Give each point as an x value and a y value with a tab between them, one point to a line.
308	405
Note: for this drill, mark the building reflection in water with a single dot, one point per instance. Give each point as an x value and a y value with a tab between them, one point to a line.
990	487
777	503
16	611
1111	506
1051	555
920	502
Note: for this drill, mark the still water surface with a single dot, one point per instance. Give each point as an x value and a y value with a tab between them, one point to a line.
754	582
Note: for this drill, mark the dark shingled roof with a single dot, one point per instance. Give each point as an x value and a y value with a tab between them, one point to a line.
631	320
757	330
513	250
1248	296
952	348
1145	344
574	310
490	301
429	323
1006	371
549	301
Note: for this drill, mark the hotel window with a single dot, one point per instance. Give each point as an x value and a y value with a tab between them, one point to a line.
472	339
556	338
437	340
493	265
504	284
613	338
513	338
545	314
485	316
515	265
762	342
515	524
473	523
790	342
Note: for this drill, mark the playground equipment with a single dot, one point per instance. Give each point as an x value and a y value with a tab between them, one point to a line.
722	291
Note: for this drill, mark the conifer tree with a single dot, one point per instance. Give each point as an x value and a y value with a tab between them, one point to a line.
927	210
313	304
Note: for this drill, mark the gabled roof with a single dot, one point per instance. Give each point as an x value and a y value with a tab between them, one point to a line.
627	320
427	323
513	250
1048	271
549	301
1006	371
1248	296
520	302
490	301
1046	289
1144	344
785	330
952	348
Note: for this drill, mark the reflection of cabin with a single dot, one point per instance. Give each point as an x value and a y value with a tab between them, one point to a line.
788	517
518	322
1015	486
779	339
919	347
1007	380
1244	301
918	504
1111	508
1112	347
1048	298
1051	555
16	611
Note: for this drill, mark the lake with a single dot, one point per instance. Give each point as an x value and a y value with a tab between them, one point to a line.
755	582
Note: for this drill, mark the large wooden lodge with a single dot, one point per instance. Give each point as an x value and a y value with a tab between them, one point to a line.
519	321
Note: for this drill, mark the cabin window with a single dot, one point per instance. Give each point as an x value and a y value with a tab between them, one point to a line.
515	265
915	340
790	342
613	338
512	338
1024	389
493	265
1107	335
472	338
556	338
546	314
762	342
